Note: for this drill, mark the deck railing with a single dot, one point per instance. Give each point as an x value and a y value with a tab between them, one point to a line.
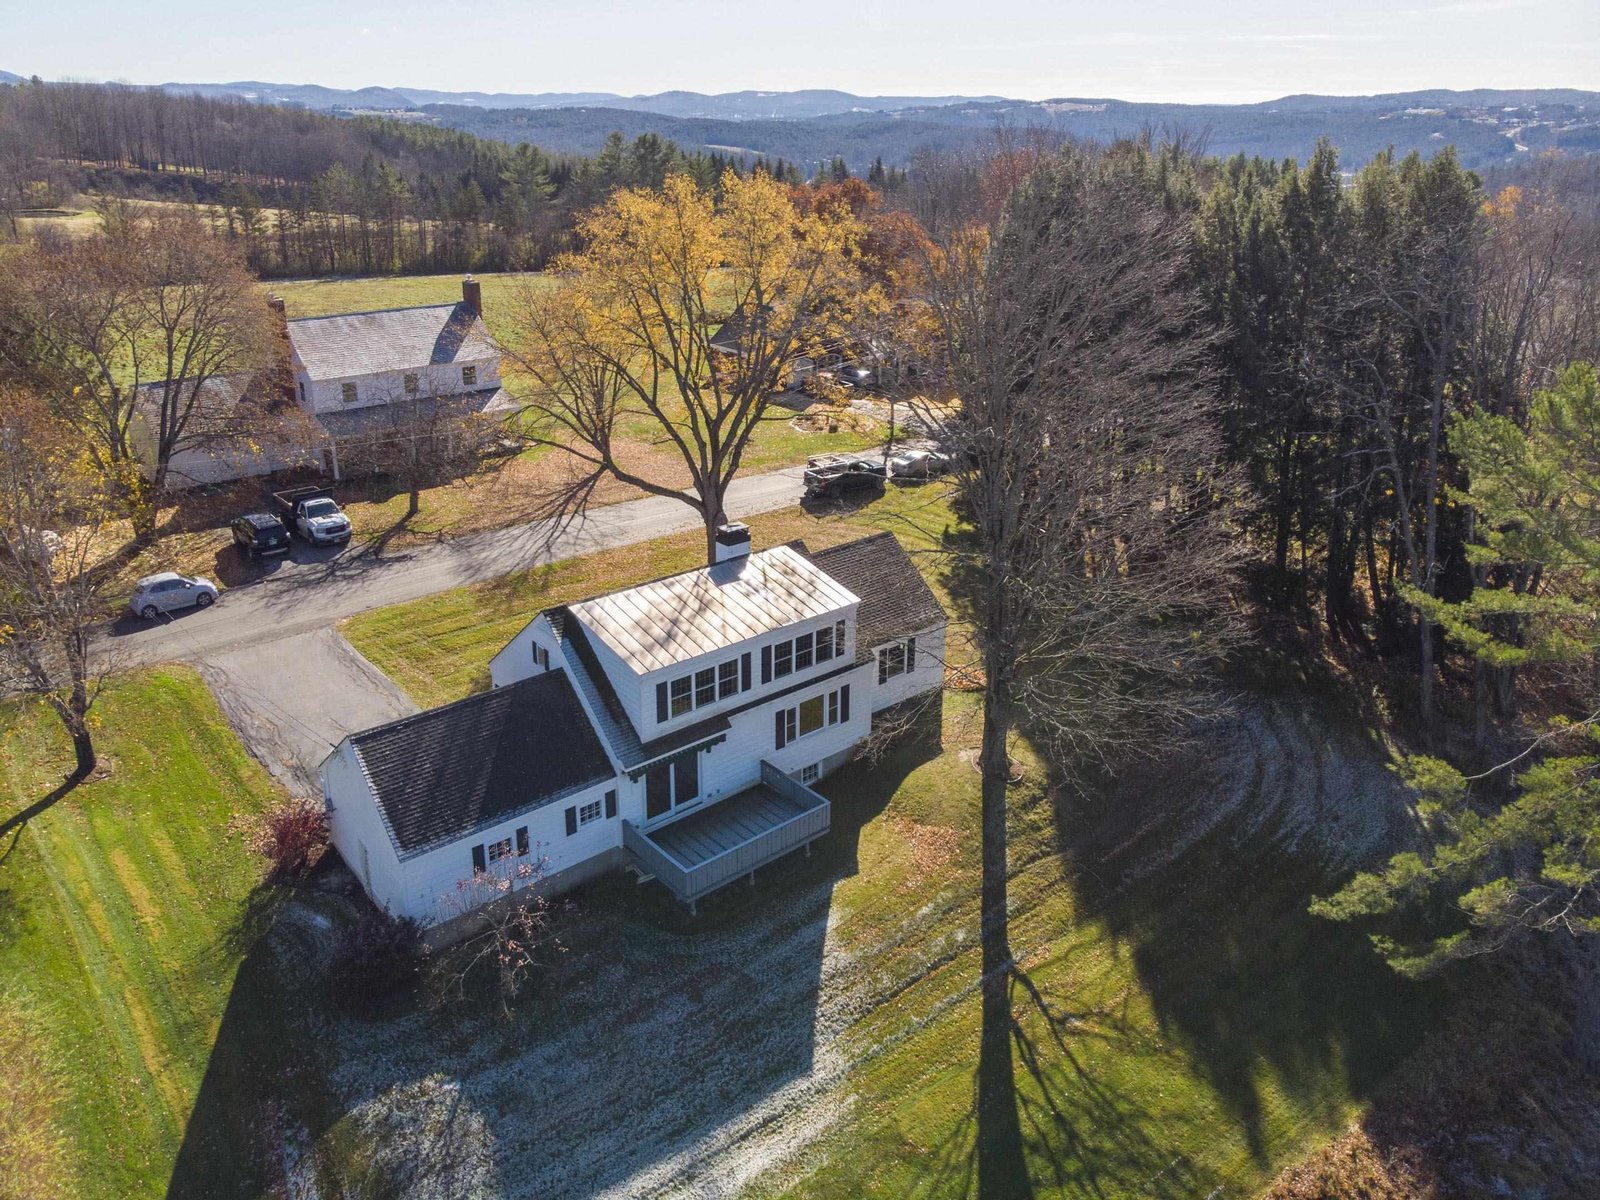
690	883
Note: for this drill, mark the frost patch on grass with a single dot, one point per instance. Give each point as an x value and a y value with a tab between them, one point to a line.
424	1140
662	1063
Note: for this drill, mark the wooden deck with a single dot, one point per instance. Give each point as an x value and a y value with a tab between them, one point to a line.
731	838
725	826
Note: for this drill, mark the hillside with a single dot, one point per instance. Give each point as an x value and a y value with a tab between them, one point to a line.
1488	128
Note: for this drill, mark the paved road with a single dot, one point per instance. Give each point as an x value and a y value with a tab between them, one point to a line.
299	598
293	700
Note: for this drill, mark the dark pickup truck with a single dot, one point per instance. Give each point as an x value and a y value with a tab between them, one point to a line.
314	514
830	477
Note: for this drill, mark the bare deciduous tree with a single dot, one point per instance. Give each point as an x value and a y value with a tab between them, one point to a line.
509	915
424	440
52	506
1085	433
147	313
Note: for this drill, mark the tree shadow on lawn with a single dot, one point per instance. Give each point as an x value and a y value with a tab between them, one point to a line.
652	1034
1214	913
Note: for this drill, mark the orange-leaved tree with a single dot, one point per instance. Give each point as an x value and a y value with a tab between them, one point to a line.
675	323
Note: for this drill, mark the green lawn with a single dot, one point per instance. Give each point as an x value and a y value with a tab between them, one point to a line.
124	910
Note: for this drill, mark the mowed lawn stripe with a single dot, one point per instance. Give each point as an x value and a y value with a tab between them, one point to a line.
134	884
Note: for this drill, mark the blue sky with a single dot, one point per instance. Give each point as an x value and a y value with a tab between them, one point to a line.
1129	49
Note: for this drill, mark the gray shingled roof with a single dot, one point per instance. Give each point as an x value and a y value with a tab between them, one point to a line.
376	420
895	600
441	774
393	339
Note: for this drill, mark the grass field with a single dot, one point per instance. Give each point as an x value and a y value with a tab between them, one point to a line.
125	907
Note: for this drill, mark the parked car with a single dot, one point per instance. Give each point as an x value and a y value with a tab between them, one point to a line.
258	533
832	482
314	514
855	375
156	594
919	464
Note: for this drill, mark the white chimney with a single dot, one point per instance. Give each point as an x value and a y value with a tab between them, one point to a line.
733	541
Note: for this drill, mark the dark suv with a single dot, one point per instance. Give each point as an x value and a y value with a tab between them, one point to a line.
834	482
260	533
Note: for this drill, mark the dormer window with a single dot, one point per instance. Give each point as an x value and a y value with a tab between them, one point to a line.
347	392
411	385
705	687
469	376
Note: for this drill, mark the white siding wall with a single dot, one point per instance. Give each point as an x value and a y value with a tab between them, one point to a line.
650	728
928	672
431	876
215	464
735	763
354	824
444	379
514	662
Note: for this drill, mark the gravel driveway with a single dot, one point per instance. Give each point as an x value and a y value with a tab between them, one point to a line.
292	700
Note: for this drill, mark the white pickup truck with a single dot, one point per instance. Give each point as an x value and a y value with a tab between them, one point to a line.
314	515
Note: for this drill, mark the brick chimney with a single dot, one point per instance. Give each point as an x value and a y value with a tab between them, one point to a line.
472	295
282	369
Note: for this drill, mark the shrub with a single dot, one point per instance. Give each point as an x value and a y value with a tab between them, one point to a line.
290	836
375	960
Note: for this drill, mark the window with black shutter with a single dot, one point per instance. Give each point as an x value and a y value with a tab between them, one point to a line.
522	841
844	703
661	702
779	728
911	654
744	672
479	861
611	803
572	821
766	664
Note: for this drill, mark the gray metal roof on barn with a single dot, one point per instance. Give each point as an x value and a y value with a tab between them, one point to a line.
440	774
392	339
681	617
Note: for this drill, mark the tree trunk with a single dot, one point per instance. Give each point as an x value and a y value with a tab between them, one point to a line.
86	760
715	517
1001	1169
413	502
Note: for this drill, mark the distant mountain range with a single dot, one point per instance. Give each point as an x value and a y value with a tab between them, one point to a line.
727	106
1489	127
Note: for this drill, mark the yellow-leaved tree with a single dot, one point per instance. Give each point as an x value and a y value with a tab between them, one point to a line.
675	323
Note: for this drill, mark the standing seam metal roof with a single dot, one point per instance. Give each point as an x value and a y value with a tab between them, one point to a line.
673	620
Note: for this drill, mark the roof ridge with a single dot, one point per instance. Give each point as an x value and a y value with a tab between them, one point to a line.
375	312
361	735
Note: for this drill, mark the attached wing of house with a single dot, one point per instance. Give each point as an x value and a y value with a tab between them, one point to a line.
676	729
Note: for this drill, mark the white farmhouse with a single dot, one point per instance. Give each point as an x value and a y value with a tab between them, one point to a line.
347	372
673	728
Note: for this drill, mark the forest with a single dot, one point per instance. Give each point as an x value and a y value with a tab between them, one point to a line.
314	194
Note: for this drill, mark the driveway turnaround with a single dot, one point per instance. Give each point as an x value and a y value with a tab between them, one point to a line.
301	597
292	700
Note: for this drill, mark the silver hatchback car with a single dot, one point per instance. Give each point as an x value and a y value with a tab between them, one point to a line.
156	594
